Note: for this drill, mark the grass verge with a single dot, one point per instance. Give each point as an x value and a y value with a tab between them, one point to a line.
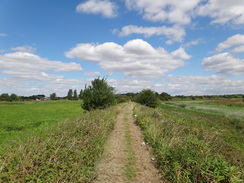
130	170
64	152
188	148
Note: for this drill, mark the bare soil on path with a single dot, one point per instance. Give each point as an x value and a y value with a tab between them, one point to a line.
112	166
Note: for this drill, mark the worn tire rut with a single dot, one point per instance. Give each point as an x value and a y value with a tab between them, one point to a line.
112	166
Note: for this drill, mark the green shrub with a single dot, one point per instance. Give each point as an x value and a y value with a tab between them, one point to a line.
148	98
99	95
122	98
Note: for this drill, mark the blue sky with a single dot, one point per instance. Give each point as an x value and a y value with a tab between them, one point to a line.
191	47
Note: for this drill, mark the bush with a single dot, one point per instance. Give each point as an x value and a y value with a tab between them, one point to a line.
148	98
122	98
98	96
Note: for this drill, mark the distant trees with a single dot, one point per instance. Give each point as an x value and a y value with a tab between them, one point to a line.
99	95
81	94
53	96
148	98
4	97
7	97
75	97
70	94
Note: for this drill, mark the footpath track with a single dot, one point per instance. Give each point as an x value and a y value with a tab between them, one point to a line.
126	158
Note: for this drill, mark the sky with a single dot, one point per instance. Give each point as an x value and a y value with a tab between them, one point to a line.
182	47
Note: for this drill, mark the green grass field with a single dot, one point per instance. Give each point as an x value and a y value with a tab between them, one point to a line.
23	118
227	108
58	149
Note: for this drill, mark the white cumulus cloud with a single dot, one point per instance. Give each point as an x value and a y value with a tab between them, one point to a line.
174	33
104	7
227	62
29	66
224	63
223	11
171	11
136	58
235	40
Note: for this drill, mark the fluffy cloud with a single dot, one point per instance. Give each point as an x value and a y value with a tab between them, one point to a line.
164	11
175	33
136	58
223	11
28	66
104	7
239	49
224	63
235	40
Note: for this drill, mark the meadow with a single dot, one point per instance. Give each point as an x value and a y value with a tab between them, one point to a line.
195	141
231	108
19	119
63	147
57	141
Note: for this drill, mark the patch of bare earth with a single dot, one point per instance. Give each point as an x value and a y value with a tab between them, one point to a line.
111	168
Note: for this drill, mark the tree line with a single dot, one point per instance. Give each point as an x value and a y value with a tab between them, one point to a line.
100	95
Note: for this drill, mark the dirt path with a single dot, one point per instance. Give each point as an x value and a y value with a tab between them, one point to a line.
125	158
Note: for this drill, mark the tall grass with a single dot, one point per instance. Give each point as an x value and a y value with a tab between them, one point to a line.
65	152
188	148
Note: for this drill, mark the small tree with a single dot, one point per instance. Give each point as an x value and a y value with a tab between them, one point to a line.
164	96
70	94
148	98
4	97
53	96
75	95
13	97
99	95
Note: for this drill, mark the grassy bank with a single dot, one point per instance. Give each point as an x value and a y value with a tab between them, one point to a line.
64	152
19	120
193	146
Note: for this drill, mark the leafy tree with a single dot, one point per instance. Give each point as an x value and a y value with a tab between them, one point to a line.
164	96
70	94
4	97
148	98
13	97
81	94
99	95
53	96
75	95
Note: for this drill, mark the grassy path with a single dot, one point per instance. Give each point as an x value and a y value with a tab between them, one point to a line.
126	158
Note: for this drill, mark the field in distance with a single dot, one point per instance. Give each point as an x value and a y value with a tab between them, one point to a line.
21	119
